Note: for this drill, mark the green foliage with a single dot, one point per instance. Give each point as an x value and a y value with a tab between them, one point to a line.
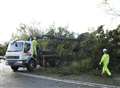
81	55
3	49
43	44
24	32
60	49
81	66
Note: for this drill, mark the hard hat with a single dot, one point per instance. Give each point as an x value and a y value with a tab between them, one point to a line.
104	50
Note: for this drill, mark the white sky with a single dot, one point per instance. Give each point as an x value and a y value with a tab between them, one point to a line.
77	14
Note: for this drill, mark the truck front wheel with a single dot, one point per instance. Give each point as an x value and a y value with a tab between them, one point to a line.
31	65
14	68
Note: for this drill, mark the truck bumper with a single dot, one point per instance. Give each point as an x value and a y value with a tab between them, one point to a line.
20	63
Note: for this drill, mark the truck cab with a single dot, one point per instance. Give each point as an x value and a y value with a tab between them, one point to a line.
19	54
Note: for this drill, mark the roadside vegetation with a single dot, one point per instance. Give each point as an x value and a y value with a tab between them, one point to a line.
3	48
75	56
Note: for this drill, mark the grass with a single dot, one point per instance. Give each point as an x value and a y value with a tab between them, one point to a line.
89	76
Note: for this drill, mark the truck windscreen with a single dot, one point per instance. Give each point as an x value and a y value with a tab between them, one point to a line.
15	47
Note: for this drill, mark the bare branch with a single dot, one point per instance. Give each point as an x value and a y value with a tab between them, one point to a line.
110	9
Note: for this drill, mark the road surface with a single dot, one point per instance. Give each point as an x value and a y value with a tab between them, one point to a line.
9	79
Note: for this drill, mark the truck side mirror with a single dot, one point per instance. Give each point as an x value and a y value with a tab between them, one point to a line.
26	48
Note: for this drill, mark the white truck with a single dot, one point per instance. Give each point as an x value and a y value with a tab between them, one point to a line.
19	54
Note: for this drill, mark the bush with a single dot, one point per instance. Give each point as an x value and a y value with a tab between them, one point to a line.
3	50
80	55
81	66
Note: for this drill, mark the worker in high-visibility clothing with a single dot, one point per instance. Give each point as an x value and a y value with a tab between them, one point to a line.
105	62
34	48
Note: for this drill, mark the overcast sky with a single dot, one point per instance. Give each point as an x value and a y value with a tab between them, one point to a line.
79	15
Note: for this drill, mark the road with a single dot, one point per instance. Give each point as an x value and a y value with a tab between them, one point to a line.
9	79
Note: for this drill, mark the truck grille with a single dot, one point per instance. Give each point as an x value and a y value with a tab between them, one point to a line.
12	57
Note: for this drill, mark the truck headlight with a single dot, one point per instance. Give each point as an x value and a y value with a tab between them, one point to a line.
23	57
19	62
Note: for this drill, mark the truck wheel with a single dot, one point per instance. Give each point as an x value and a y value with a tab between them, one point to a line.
14	68
31	65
